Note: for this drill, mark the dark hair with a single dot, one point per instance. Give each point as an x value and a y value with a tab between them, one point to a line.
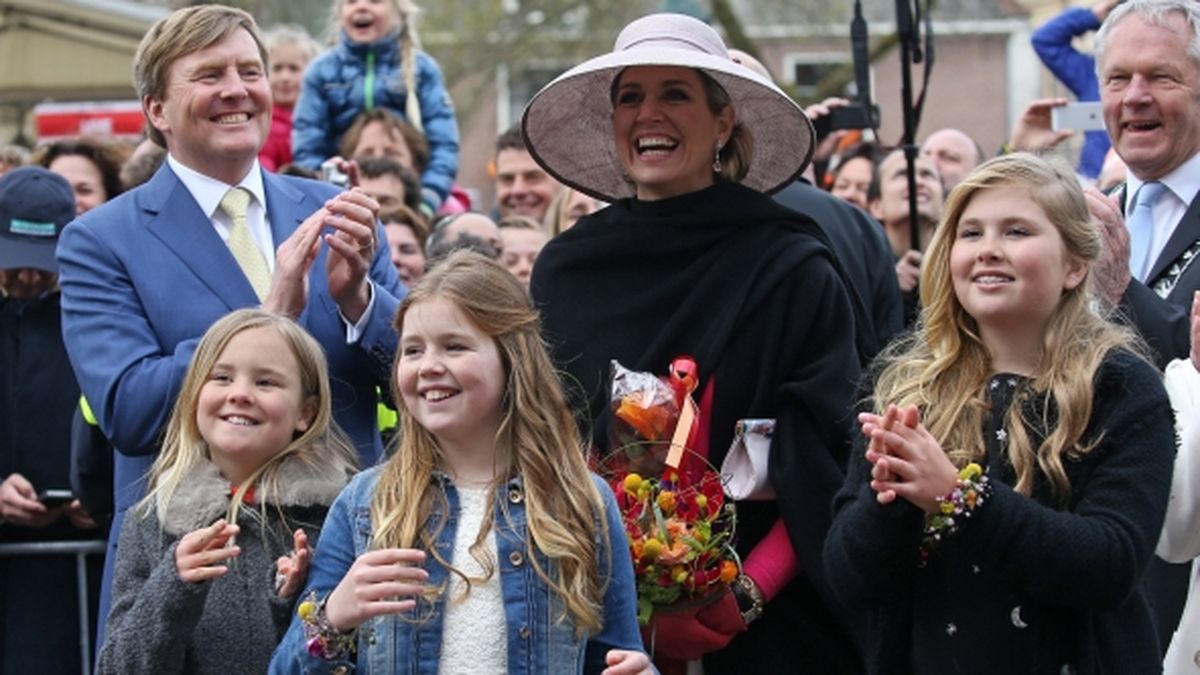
105	154
875	191
511	139
438	247
374	167
403	215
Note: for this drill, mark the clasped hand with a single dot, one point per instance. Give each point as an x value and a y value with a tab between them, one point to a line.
906	460
352	245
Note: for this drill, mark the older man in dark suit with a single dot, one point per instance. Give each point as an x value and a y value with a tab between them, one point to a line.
1150	92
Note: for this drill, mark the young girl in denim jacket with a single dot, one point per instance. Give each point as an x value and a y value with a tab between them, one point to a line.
211	563
483	544
377	62
1015	461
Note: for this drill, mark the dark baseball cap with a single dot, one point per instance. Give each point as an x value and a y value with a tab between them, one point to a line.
35	205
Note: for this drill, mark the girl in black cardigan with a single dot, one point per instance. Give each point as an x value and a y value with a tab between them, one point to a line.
1019	549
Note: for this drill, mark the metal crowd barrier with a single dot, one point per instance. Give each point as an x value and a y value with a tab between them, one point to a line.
81	550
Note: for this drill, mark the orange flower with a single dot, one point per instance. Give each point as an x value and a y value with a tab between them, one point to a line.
649	422
666	502
729	571
674	553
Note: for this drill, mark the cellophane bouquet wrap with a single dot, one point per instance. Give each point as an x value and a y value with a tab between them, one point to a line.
680	527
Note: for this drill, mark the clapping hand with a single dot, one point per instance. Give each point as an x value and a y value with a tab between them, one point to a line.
907	460
201	554
291	570
627	662
352	248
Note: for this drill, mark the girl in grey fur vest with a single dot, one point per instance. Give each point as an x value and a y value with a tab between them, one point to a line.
208	571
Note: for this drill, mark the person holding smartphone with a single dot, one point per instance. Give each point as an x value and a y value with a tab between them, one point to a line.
38	395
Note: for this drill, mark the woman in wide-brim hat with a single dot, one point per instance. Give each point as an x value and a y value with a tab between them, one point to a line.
692	257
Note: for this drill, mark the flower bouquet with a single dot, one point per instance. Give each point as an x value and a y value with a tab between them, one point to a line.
679	525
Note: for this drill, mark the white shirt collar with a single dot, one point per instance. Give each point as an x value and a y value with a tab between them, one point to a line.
208	192
1183	182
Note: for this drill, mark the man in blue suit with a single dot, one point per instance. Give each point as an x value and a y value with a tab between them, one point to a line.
145	275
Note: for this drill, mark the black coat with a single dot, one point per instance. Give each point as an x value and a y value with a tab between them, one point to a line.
39	629
859	242
747	288
1024	586
1164	320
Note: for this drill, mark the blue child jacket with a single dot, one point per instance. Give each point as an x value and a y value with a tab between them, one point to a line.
540	638
352	78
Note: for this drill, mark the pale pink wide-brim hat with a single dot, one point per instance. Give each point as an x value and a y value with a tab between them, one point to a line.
568	124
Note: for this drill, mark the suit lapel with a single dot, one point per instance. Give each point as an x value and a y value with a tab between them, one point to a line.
287	207
1185	234
173	216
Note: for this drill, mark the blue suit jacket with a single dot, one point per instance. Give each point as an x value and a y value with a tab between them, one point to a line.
145	275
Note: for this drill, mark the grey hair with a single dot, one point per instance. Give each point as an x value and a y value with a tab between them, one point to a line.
1154	13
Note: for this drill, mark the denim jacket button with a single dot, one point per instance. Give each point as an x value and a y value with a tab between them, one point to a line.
515	496
516	558
524	632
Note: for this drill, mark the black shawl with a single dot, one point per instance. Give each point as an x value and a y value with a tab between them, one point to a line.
748	289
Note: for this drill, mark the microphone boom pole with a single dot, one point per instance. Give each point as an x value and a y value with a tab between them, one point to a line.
906	32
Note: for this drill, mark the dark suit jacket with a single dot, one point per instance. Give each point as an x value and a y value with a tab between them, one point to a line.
144	275
1164	323
860	244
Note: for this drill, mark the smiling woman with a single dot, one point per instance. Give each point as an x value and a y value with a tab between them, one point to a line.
692	257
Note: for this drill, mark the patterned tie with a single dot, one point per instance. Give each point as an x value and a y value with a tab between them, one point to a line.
241	242
1141	228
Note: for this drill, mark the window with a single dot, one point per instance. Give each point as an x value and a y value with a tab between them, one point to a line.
805	71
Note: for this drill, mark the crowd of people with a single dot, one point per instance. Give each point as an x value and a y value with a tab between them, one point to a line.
330	414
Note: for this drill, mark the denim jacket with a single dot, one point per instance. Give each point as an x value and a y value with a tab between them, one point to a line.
352	78
540	640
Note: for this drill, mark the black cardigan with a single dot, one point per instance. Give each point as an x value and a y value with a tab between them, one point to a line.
747	288
1024	586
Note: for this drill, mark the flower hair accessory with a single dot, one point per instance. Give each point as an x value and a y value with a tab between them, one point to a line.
970	492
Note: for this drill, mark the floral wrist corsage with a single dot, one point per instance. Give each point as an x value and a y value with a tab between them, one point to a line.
970	491
324	641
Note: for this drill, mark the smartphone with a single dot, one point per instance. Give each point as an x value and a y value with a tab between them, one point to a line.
52	498
853	116
1083	116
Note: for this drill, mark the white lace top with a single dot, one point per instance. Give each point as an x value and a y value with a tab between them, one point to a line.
474	639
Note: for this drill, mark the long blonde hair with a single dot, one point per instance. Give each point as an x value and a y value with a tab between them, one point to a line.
184	449
944	366
537	440
409	42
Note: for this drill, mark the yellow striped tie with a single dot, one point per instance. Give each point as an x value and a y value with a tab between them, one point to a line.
241	243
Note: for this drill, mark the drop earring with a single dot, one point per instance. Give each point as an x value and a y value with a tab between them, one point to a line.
716	165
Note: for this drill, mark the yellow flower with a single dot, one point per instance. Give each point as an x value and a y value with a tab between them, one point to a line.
632	483
306	609
666	502
651	548
970	471
679	574
947	508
